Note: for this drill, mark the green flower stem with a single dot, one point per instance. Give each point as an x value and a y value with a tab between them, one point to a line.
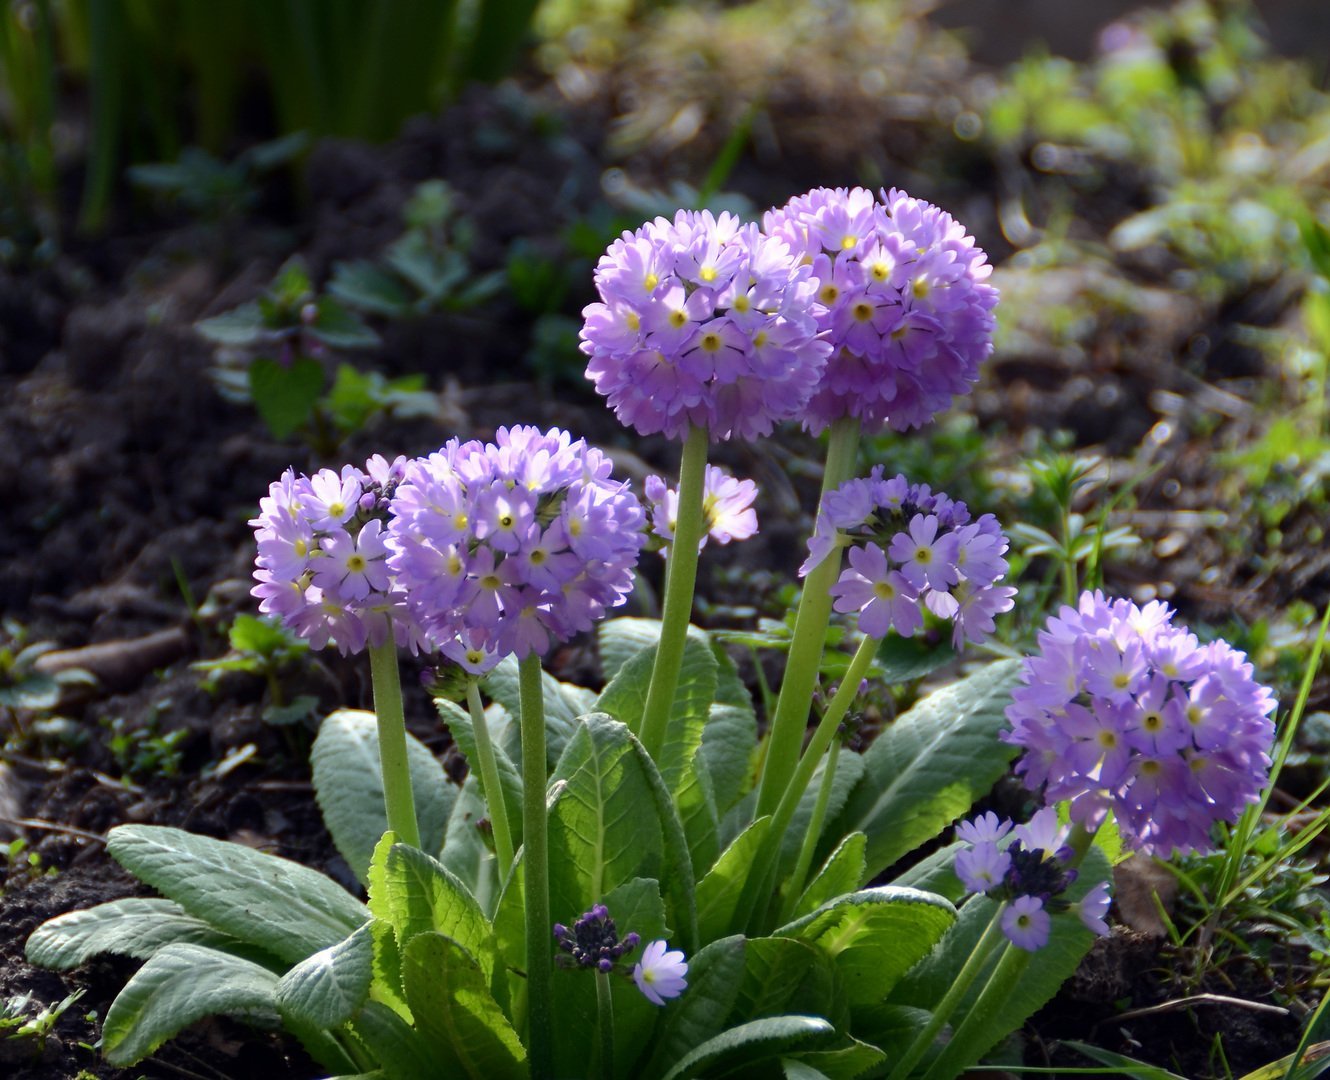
810	631
605	1019
794	887
681	576
979	956
393	762
489	781
763	872
994	997
535	865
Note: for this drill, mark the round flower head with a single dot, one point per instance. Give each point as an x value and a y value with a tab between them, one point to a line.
1121	710
322	557
660	973
703	322
902	298
506	547
727	508
911	550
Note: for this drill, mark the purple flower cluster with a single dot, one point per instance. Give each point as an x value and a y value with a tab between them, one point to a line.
911	550
322	564
727	507
593	941
500	547
1123	711
902	298
1029	871
703	322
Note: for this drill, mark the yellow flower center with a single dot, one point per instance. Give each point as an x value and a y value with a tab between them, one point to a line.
356	564
650	282
863	311
707	273
884	591
678	319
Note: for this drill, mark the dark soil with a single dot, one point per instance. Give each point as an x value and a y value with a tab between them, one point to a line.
129	482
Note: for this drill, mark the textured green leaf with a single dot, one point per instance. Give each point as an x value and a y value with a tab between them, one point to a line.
177	986
849	772
136	926
719	890
843	872
404	1052
728	743
901	659
339	329
462	729
465	851
285	394
935	873
782	976
929	767
1044	973
793	1069
238	327
714	975
848	1059
348	784
751	1044
281	906
563	703
874	936
328	988
619	640
603	828
364	286
453	1008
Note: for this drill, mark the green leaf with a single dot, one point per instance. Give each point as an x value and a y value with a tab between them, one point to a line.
843	872
728	743
403	1051
339	329
285	395
460	726
793	1069
719	890
417	895
874	936
929	767
849	771
752	1043
564	703
281	906
239	328
603	828
783	976
902	659
36	691
714	975
1140	1070
364	286
328	989
348	784
466	853
1044	973
848	1059
136	926
936	873
177	986
619	640
454	1010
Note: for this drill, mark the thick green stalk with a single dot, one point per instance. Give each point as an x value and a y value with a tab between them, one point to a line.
994	997
763	871
535	866
794	887
969	972
680	580
489	782
605	1021
810	631
393	762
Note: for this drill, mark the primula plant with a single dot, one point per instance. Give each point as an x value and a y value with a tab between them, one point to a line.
630	882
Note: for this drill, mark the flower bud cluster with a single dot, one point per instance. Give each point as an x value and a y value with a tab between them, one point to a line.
912	550
1030	871
703	322
501	547
727	508
322	564
902	298
593	941
1123	711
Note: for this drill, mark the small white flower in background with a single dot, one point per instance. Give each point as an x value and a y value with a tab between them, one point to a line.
660	974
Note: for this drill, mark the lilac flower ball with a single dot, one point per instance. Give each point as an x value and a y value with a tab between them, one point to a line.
703	322
1123	711
507	546
322	557
727	508
912	550
902	297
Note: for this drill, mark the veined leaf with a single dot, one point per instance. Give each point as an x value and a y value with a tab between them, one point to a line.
348	783
135	926
404	1052
714	975
929	767
752	1043
782	976
453	1008
462	729
177	986
281	906
285	394
843	872
719	890
328	989
465	852
563	703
